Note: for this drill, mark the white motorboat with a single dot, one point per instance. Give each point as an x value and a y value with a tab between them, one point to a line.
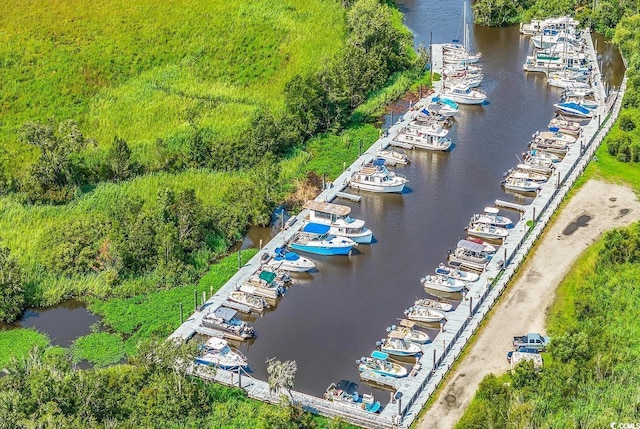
537	166
433	303
393	156
565	126
406	328
443	106
462	94
487	231
557	148
424	314
542	155
289	261
442	283
554	135
396	345
465	276
568	80
457	70
574	109
346	392
375	177
315	238
489	249
217	353
520	185
424	140
224	319
255	303
526	173
472	81
491	217
378	363
470	255
336	216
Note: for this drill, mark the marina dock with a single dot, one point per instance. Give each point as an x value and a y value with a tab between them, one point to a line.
440	354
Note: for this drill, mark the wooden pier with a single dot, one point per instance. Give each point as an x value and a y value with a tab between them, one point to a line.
509	205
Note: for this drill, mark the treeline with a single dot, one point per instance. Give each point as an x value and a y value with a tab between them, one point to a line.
591	377
43	390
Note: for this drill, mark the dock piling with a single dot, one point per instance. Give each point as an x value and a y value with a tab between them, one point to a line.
240	257
195	300
181	317
204	296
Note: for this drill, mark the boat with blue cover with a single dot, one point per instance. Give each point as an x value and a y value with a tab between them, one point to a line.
574	109
346	392
315	238
442	106
289	260
339	221
378	363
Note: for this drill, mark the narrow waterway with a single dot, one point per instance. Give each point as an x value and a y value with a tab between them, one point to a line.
334	316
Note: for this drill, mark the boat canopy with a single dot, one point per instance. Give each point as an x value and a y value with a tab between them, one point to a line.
321	206
491	210
471	246
377	354
396	334
349	387
225	313
216	343
378	161
267	276
316	228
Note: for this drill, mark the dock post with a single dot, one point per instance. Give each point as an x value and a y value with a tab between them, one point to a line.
534	215
240	377
434	360
505	259
392	117
470	307
195	300
282	213
360	148
558	180
181	318
260	244
240	259
323	185
204	296
344	165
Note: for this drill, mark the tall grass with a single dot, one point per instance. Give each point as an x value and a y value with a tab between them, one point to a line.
18	342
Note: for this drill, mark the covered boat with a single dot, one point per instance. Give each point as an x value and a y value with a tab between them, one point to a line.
395	344
566	126
487	231
346	392
554	135
433	303
443	106
217	353
375	177
339	221
520	185
255	303
290	261
224	319
407	329
378	363
469	255
488	248
393	156
491	217
315	238
574	109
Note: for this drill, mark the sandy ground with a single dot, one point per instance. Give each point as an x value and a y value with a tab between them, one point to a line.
595	208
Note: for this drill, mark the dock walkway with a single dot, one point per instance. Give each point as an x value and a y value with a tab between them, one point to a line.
440	354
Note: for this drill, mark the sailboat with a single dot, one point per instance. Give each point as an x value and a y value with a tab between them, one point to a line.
454	52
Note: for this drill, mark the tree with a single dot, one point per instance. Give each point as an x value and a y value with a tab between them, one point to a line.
12	300
281	375
119	162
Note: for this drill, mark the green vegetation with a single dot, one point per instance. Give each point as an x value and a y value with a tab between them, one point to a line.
100	349
16	343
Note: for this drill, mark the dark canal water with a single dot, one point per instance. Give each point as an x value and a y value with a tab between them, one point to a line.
334	316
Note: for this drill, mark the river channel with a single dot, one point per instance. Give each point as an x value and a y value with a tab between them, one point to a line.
332	317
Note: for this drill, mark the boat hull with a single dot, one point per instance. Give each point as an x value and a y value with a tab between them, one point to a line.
322	250
377	188
363	237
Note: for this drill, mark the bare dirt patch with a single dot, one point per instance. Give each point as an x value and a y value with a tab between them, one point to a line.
524	304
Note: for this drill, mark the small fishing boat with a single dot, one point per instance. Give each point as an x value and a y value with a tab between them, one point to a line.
266	283
423	314
553	135
443	106
396	345
572	97
537	165
255	303
217	353
469	255
558	148
393	156
346	392
520	185
472	81
526	173
542	155
491	217
442	283
406	328
462	94
574	109
488	248
375	177
224	319
433	303
565	126
487	231
454	273
339	221
290	261
315	238
379	364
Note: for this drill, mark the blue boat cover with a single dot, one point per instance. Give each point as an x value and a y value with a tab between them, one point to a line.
378	161
377	354
225	313
575	106
554	129
316	228
435	99
455	41
425	111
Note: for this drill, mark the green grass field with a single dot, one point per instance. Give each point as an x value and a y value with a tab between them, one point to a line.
150	69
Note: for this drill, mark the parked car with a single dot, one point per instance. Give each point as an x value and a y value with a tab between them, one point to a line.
533	341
